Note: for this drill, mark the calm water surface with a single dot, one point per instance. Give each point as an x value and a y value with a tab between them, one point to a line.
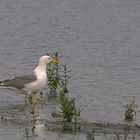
98	39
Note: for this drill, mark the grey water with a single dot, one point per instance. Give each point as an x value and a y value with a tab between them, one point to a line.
98	40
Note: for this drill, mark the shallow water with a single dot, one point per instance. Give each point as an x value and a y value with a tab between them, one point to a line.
98	39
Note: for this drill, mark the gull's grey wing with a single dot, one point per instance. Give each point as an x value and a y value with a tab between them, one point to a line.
19	81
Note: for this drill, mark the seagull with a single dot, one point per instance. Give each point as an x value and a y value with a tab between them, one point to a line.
31	83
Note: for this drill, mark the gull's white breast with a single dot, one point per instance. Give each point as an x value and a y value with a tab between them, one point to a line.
39	84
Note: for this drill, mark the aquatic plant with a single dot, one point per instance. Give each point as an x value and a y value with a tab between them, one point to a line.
53	72
65	78
58	76
68	107
58	81
130	113
67	104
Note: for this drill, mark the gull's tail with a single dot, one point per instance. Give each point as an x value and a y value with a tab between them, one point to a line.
6	84
3	85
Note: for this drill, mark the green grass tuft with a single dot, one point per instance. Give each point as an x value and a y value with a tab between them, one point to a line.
130	113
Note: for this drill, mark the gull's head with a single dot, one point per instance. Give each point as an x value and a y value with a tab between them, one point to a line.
46	59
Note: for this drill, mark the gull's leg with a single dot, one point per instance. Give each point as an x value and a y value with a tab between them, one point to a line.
41	93
25	99
28	99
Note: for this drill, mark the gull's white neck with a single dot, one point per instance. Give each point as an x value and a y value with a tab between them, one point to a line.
40	71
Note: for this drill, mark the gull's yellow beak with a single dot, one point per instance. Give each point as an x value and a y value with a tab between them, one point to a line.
54	61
